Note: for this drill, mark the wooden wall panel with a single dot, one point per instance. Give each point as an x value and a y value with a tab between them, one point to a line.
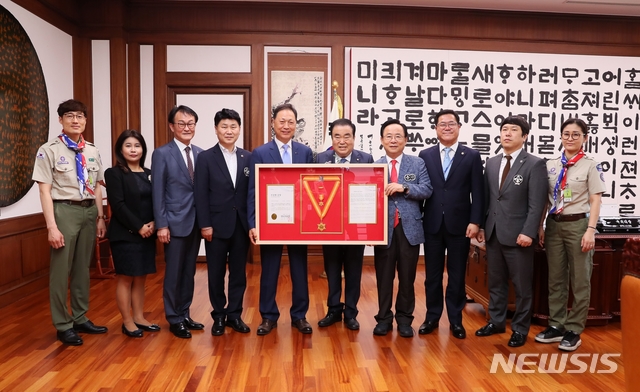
59	13
118	63
35	251
25	257
83	80
133	86
374	21
160	90
11	261
256	133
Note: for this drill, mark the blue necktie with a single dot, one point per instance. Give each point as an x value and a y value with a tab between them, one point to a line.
446	164
343	160
286	158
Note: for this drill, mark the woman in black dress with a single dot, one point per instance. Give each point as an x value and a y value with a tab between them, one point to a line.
131	230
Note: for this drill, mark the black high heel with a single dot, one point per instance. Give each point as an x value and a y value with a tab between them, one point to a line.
132	334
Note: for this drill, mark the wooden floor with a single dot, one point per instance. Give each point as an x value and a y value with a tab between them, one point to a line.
331	359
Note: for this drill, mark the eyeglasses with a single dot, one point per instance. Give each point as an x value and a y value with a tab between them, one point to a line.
182	125
444	125
231	127
572	136
396	137
346	138
72	116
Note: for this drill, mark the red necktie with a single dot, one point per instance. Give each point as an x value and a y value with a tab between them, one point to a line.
394	178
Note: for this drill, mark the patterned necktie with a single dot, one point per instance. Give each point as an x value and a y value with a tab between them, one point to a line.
189	162
343	160
394	178
286	158
446	164
505	172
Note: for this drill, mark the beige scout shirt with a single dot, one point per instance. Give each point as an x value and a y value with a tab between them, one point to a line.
584	179
56	165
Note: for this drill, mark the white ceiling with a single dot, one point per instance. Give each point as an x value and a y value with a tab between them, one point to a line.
594	7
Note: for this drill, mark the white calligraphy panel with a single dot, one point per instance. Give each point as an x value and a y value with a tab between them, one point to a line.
412	85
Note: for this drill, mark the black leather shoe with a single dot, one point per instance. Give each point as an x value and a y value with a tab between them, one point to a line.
89	327
405	330
189	323
427	327
303	326
382	329
70	337
517	339
180	330
218	326
457	330
266	326
238	325
352	324
132	334
149	328
489	329
330	319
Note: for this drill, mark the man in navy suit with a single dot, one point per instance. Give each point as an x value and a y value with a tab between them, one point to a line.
409	185
516	195
284	150
452	216
174	209
222	182
342	132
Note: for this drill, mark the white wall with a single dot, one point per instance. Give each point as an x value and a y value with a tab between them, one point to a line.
54	50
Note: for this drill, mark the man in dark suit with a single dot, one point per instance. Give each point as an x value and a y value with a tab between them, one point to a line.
342	132
409	185
222	182
452	216
284	150
516	195
174	209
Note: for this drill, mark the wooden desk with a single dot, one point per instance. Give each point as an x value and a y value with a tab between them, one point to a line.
605	280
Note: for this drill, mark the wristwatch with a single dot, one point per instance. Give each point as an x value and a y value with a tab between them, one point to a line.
406	188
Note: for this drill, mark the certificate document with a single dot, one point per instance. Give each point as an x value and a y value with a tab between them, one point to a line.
362	204
280	203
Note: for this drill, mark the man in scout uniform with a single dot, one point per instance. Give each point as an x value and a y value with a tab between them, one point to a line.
68	171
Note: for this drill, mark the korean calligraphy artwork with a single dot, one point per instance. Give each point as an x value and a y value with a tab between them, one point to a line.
412	85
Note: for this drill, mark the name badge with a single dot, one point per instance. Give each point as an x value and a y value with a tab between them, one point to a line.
567	194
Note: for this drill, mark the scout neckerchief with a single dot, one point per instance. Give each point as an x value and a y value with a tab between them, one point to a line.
561	183
81	163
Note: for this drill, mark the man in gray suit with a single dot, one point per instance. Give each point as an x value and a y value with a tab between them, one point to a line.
174	209
343	132
409	185
516	188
